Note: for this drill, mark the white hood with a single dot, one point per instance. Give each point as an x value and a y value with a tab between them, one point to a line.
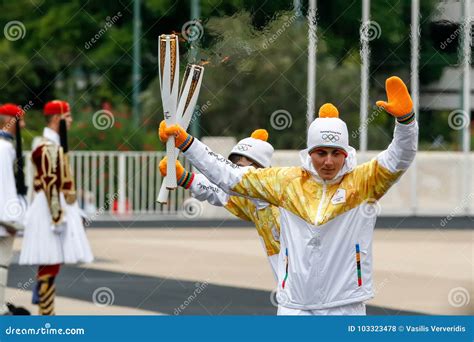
258	150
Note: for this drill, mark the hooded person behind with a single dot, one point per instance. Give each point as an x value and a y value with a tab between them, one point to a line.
12	191
325	262
54	230
253	151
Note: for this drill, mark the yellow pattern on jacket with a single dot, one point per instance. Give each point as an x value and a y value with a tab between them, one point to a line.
326	226
266	220
291	187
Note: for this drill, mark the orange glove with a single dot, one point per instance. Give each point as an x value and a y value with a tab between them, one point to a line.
182	139
399	102
185	178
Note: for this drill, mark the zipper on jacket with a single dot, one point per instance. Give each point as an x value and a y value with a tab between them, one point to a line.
321	203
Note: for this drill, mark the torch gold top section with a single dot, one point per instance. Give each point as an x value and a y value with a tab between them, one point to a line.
173	42
174	57
194	82
186	75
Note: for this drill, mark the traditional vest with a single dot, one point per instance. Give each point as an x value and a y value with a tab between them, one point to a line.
53	176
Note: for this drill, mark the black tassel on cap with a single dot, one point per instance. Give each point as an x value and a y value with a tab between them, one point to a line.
63	135
19	174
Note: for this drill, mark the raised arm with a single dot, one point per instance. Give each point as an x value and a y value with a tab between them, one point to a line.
379	174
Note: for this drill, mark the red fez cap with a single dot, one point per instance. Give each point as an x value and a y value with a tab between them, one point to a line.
11	109
56	107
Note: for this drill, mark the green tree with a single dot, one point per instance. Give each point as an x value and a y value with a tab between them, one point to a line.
70	50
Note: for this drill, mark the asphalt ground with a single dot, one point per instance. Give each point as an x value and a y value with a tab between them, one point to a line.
215	271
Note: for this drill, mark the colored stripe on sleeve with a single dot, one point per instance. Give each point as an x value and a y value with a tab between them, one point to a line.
187	143
359	271
406	119
286	270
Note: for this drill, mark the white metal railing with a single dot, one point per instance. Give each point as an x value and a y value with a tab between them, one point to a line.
124	185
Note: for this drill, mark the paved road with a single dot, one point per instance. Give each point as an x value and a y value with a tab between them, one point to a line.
152	271
164	295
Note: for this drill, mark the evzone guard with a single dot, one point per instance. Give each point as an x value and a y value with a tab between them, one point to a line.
12	194
54	230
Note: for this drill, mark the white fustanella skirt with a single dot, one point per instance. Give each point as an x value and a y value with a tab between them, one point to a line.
45	243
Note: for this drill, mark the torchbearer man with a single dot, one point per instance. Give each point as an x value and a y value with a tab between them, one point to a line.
253	151
325	263
12	192
54	230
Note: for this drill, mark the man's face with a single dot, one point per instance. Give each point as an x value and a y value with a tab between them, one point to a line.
8	124
68	118
327	161
22	122
243	161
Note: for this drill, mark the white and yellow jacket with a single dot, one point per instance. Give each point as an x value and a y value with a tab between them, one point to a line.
326	226
266	217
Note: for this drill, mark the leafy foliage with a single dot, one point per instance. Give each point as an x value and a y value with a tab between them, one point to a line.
256	55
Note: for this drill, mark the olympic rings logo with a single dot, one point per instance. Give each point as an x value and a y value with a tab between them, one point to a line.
330	137
243	147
